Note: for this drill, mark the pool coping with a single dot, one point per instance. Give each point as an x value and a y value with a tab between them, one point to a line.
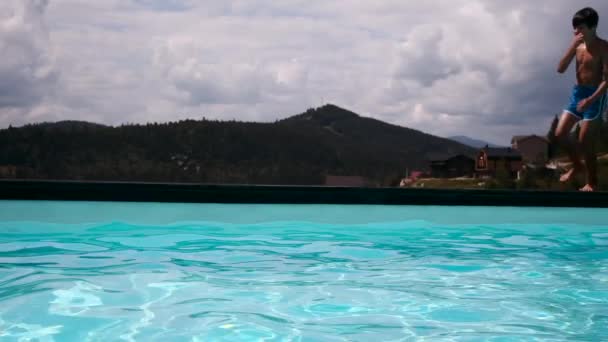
61	190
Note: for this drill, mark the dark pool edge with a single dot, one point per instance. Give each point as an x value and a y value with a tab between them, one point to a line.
269	194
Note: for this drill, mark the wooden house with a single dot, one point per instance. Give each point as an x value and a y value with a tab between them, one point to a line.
534	149
451	166
491	160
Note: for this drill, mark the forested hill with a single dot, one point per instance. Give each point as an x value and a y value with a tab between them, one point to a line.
301	150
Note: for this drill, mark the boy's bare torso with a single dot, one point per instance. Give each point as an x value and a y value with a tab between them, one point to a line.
589	65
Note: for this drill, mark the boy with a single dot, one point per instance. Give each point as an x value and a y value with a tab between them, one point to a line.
588	95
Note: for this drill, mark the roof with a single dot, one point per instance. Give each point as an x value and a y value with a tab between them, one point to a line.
502	152
436	157
518	137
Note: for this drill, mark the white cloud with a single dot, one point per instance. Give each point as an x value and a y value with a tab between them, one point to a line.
202	80
480	68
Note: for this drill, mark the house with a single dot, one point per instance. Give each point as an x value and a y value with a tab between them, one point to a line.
451	166
347	181
534	149
490	161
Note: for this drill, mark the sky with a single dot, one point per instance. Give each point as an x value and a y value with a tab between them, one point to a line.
480	68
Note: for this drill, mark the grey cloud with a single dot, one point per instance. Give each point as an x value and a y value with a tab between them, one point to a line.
443	66
27	72
214	92
514	57
421	58
165	5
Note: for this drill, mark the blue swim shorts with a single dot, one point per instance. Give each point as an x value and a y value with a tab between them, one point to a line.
579	93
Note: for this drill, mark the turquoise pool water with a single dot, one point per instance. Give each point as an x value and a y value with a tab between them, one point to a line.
85	271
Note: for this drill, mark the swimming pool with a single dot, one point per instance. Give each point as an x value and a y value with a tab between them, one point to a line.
101	271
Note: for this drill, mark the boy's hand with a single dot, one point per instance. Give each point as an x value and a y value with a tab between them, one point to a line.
577	40
583	105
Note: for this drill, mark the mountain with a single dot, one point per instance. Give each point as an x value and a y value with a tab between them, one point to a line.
69	125
476	143
299	150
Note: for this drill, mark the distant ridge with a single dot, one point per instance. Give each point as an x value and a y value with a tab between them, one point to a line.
299	150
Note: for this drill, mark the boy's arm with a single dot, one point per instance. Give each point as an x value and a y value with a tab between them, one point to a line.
567	59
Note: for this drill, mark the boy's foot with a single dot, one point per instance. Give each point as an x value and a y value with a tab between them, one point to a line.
588	188
569	175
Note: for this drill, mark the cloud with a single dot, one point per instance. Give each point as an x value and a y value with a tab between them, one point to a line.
490	66
27	70
479	68
165	5
189	66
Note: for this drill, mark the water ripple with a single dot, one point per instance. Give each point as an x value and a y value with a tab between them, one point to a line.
302	281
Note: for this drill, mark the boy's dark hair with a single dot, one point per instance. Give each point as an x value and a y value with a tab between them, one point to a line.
587	16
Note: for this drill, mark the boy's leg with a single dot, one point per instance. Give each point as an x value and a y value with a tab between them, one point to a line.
562	135
586	138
